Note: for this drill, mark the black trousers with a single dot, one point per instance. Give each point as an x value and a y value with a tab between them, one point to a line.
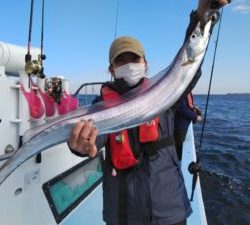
184	222
179	136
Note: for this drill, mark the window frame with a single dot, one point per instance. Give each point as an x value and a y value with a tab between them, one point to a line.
46	188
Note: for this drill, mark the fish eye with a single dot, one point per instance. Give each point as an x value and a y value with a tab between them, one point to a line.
193	36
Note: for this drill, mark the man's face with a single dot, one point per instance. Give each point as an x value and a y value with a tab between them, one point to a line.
125	58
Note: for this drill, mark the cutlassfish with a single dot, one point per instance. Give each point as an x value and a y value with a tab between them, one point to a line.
136	107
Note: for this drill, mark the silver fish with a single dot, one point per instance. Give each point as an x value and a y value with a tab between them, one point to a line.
136	107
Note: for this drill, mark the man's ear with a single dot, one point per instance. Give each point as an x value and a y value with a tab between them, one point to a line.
111	70
146	64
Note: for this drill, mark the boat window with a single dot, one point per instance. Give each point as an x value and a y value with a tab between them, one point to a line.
67	190
87	92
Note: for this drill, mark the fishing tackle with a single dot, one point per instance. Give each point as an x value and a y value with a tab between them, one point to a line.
35	66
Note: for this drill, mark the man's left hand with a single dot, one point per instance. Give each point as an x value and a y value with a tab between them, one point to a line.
199	118
197	110
205	5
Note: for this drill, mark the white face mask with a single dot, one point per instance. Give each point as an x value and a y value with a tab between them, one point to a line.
131	73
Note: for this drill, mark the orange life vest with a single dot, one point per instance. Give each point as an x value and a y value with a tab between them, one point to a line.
121	153
190	101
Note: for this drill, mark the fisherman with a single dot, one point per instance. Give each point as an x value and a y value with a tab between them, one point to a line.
185	113
142	181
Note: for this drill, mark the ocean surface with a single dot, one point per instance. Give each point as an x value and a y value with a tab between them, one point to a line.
225	158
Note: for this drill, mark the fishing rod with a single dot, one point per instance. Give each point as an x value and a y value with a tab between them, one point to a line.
41	74
28	57
42	56
116	18
116	23
34	66
194	167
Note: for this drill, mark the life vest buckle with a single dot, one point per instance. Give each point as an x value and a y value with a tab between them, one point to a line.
150	123
119	138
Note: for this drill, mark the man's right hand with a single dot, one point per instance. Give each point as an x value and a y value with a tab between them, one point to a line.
83	137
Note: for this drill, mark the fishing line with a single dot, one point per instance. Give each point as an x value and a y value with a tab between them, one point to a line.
209	89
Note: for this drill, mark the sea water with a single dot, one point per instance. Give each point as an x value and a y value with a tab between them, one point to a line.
225	158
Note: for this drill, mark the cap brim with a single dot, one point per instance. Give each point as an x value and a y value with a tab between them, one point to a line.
126	50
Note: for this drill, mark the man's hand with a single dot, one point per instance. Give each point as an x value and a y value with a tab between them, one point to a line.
83	137
197	110
205	5
199	118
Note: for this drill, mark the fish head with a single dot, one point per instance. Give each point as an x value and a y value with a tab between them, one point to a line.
198	40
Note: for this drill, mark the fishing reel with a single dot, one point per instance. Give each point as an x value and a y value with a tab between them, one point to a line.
35	66
54	89
194	168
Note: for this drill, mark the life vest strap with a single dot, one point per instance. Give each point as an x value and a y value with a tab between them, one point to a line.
151	148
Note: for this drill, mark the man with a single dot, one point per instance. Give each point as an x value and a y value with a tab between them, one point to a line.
185	113
142	182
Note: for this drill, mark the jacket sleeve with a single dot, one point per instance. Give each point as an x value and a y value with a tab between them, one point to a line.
186	112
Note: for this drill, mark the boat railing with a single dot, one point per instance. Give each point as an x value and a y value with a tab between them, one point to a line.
87	92
6	156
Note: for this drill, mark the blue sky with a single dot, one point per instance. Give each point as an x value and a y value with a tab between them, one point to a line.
78	35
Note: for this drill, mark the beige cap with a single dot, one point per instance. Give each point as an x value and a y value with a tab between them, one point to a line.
125	44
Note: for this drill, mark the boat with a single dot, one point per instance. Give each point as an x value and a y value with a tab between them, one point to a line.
55	187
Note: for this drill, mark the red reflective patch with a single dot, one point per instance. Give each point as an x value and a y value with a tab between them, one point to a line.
49	103
121	154
35	104
149	131
68	103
